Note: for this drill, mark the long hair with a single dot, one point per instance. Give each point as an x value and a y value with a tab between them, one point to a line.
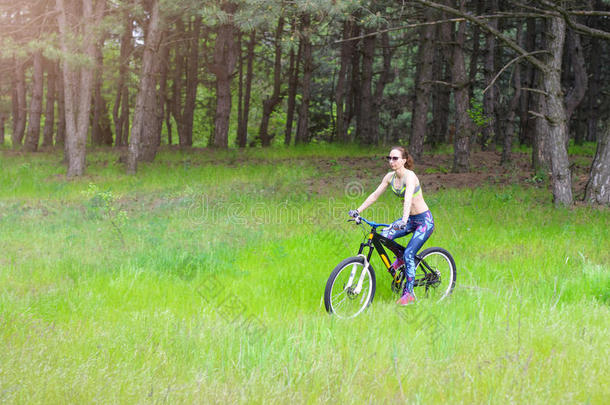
405	155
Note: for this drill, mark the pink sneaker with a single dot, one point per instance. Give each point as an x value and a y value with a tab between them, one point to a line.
406	299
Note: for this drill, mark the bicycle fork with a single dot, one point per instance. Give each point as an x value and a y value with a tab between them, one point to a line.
365	269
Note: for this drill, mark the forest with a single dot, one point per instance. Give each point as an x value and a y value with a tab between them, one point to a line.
177	177
135	75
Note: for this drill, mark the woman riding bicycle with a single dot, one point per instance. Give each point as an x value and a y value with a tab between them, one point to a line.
416	216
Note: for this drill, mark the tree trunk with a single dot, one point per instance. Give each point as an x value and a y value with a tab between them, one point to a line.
169	98
153	113
101	133
594	89
124	118
365	132
425	56
60	137
577	62
225	59
14	98
78	82
497	119
120	111
347	49
162	108
168	123
302	135
33	135
556	115
461	157
49	115
513	108
240	90
529	101
142	145
354	92
385	77
476	51
597	190
2	128
19	110
293	82
192	81
489	98
242	129
96	126
540	151
594	58
184	89
271	102
177	105
441	95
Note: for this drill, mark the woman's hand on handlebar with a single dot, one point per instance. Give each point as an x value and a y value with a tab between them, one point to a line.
399	225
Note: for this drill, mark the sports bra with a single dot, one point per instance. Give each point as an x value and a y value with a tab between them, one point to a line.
401	192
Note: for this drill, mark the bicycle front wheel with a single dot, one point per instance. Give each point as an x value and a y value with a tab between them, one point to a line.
434	274
350	288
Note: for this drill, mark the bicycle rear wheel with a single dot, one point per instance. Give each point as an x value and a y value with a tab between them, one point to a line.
350	288
435	274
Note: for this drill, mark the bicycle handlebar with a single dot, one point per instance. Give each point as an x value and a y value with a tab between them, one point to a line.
358	220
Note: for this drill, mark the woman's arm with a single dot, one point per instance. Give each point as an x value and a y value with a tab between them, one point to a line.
409	189
375	194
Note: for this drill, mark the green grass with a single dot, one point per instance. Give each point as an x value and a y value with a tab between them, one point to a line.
586	149
209	290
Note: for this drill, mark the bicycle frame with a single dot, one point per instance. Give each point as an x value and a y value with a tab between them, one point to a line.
376	241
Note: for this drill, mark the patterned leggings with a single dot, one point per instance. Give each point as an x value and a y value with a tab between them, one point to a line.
422	226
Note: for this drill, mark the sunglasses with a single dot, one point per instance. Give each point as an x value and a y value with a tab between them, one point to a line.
394	158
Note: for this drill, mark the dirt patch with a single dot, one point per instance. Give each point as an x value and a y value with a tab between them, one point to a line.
435	174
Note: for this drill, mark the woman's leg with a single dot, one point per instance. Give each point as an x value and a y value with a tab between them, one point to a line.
392	233
424	226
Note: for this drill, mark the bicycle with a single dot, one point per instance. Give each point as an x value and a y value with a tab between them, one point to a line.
435	274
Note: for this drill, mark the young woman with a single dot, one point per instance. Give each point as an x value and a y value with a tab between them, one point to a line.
416	216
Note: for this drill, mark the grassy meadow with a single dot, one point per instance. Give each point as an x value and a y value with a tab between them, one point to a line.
200	280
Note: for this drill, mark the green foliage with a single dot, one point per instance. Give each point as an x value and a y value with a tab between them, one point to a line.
539	178
586	149
475	112
104	205
438	169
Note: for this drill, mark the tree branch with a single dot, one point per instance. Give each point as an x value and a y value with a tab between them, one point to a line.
536	114
508	64
441	83
402	27
487	28
450	20
590	13
581	28
544	93
535	9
